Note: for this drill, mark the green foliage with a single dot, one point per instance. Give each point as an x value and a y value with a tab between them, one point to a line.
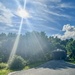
17	63
34	46
3	69
3	65
4	72
71	48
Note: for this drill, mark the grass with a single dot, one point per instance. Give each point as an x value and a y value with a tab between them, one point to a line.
72	61
5	71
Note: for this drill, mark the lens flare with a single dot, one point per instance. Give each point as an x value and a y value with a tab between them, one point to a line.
13	52
24	15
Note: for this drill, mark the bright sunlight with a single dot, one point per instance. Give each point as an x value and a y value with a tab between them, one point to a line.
37	37
22	13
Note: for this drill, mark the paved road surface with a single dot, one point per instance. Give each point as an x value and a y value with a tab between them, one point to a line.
50	68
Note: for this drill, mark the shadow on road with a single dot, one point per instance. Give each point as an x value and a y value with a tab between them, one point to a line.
57	64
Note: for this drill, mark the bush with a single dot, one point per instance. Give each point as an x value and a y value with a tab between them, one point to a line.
3	65
17	63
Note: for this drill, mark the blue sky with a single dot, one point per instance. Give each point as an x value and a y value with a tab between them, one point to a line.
55	17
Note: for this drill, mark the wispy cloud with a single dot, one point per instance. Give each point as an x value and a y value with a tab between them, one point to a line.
48	28
5	15
42	13
43	9
66	5
57	14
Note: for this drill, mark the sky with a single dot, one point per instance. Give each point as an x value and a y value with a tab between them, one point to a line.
54	17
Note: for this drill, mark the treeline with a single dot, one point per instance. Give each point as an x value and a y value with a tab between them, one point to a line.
34	46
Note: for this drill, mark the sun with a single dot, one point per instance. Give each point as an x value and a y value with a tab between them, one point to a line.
23	13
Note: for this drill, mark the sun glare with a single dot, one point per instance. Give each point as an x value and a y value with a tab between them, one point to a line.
22	13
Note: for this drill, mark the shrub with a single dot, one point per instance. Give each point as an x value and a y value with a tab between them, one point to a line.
3	65
17	63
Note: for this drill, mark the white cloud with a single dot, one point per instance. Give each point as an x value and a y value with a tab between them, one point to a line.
66	5
68	27
69	32
5	15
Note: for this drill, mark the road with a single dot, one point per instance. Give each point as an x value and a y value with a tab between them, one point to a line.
53	67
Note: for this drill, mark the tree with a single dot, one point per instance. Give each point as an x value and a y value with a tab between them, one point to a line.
71	48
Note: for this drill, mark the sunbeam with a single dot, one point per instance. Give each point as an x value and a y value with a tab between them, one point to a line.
18	37
24	15
36	39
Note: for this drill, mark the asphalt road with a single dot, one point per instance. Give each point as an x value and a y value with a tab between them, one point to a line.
50	68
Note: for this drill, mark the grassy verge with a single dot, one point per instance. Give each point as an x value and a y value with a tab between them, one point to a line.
71	61
5	71
33	65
